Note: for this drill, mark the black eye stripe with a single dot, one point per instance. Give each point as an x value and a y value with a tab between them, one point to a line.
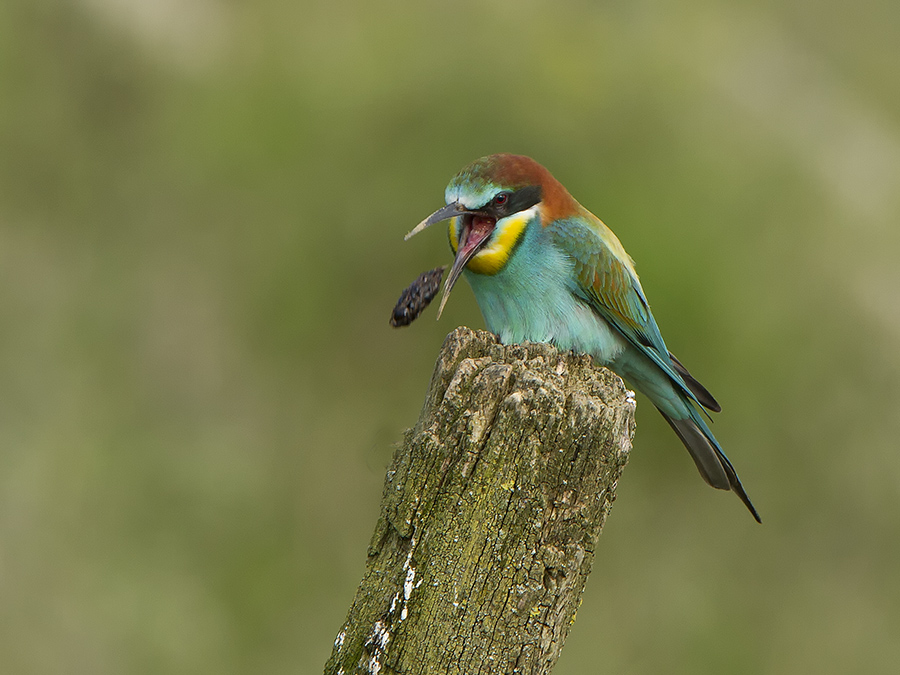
523	198
519	200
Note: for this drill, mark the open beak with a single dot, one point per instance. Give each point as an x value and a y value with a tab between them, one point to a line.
476	230
474	234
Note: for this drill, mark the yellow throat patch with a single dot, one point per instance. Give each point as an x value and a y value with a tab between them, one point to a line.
494	256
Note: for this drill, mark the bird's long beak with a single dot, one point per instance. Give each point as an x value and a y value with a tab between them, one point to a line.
445	213
472	237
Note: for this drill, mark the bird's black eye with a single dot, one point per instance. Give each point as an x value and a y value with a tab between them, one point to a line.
501	198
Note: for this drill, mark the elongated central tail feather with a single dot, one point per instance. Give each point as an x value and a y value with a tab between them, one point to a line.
712	463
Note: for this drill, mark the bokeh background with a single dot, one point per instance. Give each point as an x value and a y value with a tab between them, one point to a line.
202	205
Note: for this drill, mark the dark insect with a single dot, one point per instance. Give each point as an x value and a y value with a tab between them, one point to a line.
417	296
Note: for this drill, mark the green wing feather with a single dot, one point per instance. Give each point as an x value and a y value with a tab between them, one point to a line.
606	280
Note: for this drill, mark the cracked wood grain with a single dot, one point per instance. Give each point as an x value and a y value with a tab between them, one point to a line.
491	510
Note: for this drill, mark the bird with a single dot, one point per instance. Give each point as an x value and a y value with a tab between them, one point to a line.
545	269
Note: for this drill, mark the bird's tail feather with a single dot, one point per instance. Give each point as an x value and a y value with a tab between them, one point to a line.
694	386
712	463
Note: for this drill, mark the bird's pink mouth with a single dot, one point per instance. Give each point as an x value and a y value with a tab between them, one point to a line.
476	232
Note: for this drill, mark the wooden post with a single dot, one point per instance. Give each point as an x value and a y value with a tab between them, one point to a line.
491	510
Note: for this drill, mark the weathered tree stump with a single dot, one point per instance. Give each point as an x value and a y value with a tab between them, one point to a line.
491	510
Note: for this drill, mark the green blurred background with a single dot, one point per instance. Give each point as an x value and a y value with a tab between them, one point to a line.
202	205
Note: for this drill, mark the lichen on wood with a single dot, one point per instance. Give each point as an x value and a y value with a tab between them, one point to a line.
491	510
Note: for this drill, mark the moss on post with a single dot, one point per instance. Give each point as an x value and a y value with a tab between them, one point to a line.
490	514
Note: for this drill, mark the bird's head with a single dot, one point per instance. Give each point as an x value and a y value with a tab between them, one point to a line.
489	204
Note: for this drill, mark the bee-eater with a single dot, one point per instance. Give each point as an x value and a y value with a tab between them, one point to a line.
545	269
